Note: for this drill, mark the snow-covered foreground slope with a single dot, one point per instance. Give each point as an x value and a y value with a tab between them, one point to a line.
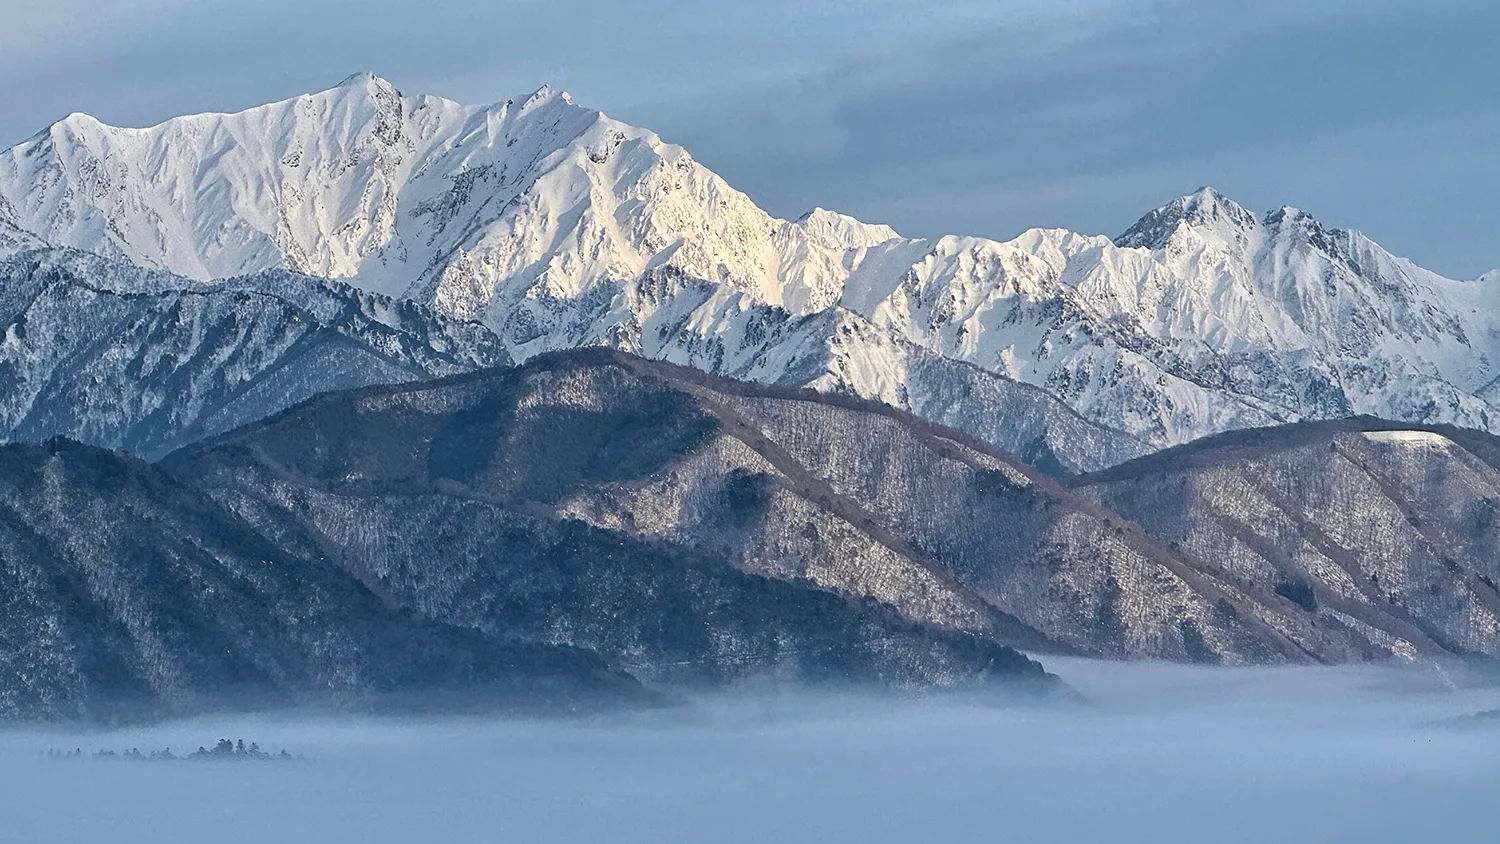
559	227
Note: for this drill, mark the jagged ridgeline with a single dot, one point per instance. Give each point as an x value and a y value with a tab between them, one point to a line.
557	227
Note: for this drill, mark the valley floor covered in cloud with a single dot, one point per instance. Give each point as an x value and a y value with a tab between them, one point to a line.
1156	753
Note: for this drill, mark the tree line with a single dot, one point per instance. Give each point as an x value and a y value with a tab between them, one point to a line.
224	750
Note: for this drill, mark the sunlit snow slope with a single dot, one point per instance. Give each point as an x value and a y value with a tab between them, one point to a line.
559	227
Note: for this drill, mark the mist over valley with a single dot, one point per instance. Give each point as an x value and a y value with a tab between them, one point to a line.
1153	752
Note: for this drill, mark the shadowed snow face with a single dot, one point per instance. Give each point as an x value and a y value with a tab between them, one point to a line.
1160	754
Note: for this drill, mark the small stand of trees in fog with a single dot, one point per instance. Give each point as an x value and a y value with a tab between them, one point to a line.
225	750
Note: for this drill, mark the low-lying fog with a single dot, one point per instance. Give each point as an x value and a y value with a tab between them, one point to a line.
1160	754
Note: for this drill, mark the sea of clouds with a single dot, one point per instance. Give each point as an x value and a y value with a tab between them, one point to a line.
1152	753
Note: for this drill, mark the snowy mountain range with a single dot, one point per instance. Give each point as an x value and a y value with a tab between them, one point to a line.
125	358
556	227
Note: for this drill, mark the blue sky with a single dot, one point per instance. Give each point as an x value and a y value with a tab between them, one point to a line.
973	117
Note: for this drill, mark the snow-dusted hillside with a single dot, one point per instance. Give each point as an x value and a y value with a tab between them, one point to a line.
126	358
559	227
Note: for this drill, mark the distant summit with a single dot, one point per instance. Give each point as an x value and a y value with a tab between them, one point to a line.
1204	208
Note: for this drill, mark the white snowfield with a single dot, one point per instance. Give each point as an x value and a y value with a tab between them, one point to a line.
1410	439
559	227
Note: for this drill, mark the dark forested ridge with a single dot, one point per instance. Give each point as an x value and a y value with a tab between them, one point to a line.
1383	535
440	500
594	526
435	493
124	594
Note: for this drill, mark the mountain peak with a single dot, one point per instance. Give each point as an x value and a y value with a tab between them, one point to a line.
1206	202
840	231
546	94
362	78
1289	214
365	84
80	117
1298	226
76	120
1204	207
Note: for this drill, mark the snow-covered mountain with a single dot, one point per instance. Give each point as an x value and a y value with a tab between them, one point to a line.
13	238
130	359
559	227
1202	317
